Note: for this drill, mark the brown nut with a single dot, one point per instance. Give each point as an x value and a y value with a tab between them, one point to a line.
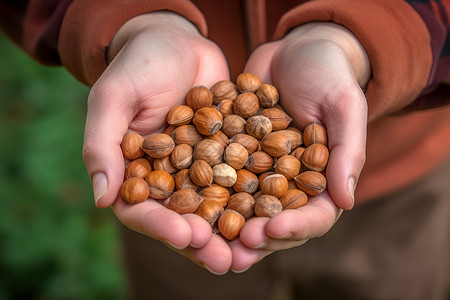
315	157
280	120
209	151
224	89
161	184
250	143
134	190
294	135
287	165
158	145
275	185
246	181
169	129
182	156
311	182
230	223
276	144
243	203
225	107
164	164
297	152
199	96
263	176
210	211
139	167
131	145
258	126
224	175
268	95
184	201
248	82
186	134
201	173
293	199
216	193
219	137
235	155
259	162
207	120
180	115
233	124
267	206
246	105
315	133
184	181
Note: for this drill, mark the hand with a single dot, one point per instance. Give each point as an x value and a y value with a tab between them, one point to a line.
319	69
156	58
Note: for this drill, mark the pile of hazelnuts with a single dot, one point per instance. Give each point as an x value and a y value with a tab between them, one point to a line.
227	155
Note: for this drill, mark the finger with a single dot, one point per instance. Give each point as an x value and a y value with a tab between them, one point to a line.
260	61
156	221
244	257
201	230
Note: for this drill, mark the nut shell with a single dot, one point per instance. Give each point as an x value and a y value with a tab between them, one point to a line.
180	115
139	167
224	89
230	224
311	182
207	120
250	143
259	162
210	211
267	206
224	175
248	82
131	145
186	134
184	181
315	157
243	203
182	156
184	201
199	96
258	126
158	145
315	133
294	199
246	105
201	173
134	190
287	165
235	155
161	184
246	181
216	193
233	124
280	120
275	185
268	95
276	144
209	151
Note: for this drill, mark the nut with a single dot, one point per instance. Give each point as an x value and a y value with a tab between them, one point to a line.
131	145
246	104
276	144
315	157
230	224
233	125
280	120
224	89
294	199
219	137
184	201
158	145
182	156
199	96
275	185
287	165
224	175
186	134
293	135
180	115
210	211
268	95
161	184
216	193
267	206
259	162
297	152
315	133
248	82
235	155
258	126
134	190
139	167
311	182
209	151
201	173
207	120
249	142
184	181
164	164
263	176
246	181
225	107
243	203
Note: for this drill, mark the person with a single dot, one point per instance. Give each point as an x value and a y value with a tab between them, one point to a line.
375	73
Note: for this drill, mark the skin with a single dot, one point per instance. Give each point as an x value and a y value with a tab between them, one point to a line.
156	58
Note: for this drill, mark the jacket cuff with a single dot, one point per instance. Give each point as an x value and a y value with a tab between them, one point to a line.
89	26
394	36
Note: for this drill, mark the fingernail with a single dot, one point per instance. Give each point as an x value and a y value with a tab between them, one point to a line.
287	235
99	185
351	188
175	247
240	271
262	245
212	272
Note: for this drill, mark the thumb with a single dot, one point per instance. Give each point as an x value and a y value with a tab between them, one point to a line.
102	155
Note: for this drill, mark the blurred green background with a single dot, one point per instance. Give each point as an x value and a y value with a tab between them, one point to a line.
54	242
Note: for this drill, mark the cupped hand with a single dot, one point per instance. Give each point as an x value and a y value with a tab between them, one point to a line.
155	59
319	69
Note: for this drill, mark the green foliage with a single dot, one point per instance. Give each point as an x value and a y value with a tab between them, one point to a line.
54	243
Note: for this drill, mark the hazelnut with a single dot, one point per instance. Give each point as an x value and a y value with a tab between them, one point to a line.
248	82
315	133
161	184
164	164
180	115
224	89
267	206
246	181
182	156
263	176
207	120
297	152
158	145
219	137
224	175
246	104
233	124
139	167
280	120
216	193
243	203
287	165
201	173
131	145
311	182
230	224
259	162
225	107
134	190
250	143
294	199
169	129
294	135
315	157
275	185
209	151
268	95
184	201
199	96
184	181
186	134
210	211
258	126
235	155
276	144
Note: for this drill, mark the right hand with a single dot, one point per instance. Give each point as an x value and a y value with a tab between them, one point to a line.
156	59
